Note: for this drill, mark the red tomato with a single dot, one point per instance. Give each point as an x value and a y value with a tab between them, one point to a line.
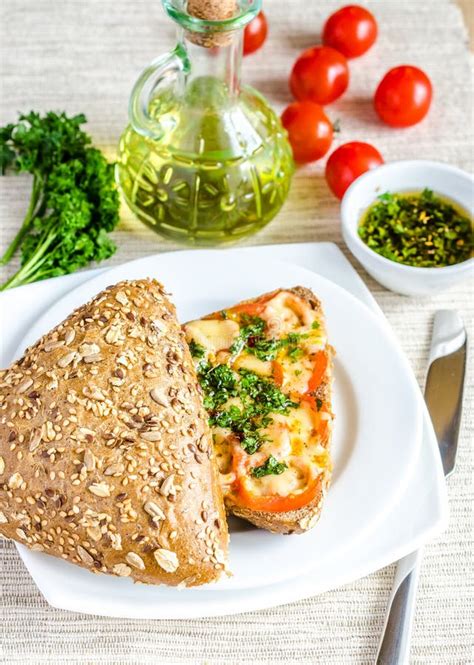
309	130
351	30
274	503
255	33
319	370
319	75
348	162
403	96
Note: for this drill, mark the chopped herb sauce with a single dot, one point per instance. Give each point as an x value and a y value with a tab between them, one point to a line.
417	229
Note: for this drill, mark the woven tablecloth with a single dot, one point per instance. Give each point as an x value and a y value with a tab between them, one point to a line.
84	56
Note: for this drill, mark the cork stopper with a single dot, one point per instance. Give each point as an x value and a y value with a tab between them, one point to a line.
211	10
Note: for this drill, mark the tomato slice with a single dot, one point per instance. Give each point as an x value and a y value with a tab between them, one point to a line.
275	503
253	308
277	373
319	370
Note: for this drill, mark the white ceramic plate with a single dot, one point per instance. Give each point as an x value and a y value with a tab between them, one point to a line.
377	435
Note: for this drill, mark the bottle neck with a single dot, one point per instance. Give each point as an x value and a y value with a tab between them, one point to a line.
215	67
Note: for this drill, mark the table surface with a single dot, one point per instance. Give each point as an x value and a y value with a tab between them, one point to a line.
83	56
467	7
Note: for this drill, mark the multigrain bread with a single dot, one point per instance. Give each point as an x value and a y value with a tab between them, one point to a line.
228	443
105	453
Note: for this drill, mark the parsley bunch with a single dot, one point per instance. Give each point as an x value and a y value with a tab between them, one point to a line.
74	203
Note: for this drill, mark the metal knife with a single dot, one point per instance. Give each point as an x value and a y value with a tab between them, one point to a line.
443	396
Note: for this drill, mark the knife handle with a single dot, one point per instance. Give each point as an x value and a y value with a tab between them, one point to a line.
394	647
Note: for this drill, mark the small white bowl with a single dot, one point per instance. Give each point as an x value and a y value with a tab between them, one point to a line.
412	175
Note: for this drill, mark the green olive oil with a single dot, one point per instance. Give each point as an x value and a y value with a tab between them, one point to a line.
216	172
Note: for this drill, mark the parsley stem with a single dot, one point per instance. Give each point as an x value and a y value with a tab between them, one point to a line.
28	272
28	220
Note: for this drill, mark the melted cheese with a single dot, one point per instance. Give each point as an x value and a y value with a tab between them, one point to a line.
292	480
212	334
287	313
254	364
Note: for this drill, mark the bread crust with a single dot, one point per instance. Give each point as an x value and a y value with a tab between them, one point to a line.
105	452
294	521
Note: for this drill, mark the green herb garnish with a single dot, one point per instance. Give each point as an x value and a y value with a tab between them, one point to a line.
258	398
74	202
421	230
197	351
295	353
270	467
252	338
253	328
265	394
218	383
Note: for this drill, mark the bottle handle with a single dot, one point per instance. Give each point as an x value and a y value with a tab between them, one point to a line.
164	69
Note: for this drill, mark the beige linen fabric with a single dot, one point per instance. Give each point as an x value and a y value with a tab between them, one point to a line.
84	56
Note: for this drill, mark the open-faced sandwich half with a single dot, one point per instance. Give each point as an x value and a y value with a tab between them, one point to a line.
264	366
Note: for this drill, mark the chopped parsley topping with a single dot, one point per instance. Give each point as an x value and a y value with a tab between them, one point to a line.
197	351
295	353
265	394
421	230
257	396
319	403
270	467
218	383
253	327
252	338
315	325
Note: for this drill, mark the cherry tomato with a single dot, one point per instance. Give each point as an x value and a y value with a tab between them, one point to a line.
255	33
348	162
351	30
403	96
319	75
309	130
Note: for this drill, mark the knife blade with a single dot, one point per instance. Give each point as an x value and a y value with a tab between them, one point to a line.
443	395
445	383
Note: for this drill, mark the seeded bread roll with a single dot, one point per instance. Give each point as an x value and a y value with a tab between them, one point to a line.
105	453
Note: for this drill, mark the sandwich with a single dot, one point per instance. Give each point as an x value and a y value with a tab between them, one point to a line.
265	368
